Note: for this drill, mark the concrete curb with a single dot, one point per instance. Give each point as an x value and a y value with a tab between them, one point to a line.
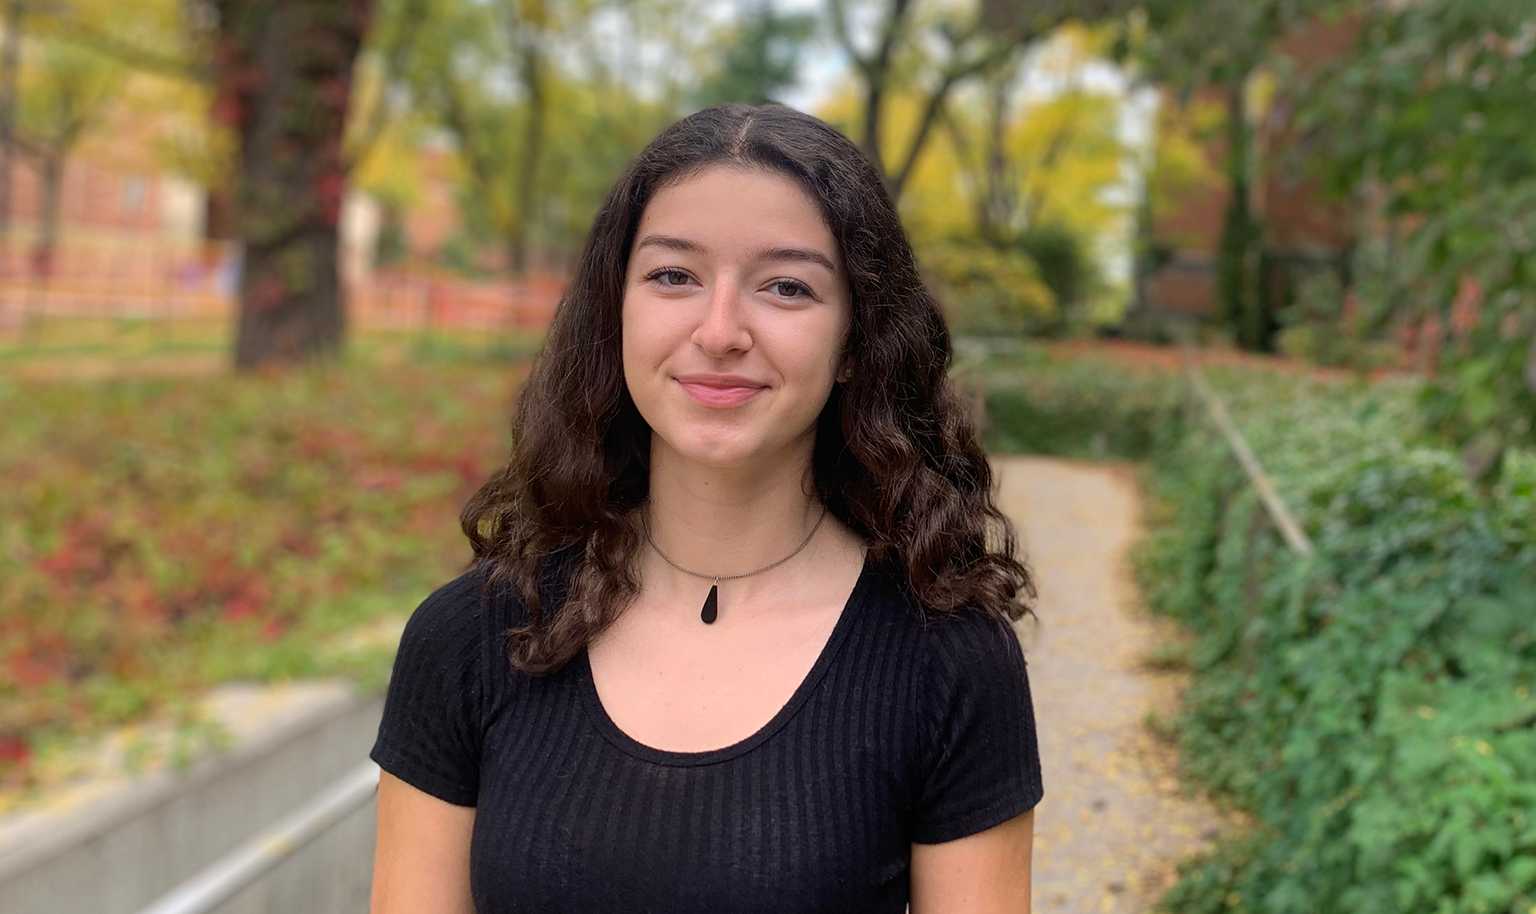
115	842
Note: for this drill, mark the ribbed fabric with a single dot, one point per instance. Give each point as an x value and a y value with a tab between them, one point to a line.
902	732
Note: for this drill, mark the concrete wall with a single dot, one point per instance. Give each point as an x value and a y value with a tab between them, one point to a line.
329	876
115	847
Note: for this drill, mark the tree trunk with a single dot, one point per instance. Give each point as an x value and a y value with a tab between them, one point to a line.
528	39
1235	267
50	165
874	100
9	63
876	70
219	214
999	197
284	82
52	168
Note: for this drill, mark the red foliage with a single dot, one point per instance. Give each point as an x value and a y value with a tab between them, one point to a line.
86	554
249	79
300	543
333	443
385	479
147	607
335	91
45	660
330	187
469	469
224	586
228	110
466	466
14	751
247	598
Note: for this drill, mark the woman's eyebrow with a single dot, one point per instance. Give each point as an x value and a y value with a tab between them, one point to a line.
671	243
803	255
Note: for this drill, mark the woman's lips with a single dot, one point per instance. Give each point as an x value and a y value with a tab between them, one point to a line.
720	396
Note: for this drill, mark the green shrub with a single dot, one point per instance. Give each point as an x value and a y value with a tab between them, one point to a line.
1076	407
1372	705
985	289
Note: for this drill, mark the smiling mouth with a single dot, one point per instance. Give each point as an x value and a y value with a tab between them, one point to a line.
711	395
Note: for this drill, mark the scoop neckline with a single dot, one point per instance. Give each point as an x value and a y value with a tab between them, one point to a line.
631	746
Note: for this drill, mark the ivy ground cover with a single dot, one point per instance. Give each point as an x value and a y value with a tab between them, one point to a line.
164	535
1372	705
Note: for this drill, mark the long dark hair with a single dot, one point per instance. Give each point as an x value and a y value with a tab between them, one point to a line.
896	458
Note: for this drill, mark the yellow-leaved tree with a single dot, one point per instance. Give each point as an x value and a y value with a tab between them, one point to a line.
1012	203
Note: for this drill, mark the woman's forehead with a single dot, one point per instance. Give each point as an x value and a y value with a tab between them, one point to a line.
733	210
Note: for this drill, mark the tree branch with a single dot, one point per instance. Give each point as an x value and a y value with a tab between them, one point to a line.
874	68
837	12
393	57
952	75
1522	722
1000	201
456	117
895	25
95	38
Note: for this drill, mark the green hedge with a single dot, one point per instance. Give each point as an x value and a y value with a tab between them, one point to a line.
1373	706
1075	407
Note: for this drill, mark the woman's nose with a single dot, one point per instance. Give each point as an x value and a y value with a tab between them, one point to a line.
723	326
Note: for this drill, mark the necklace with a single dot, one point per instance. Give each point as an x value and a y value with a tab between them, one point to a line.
711	608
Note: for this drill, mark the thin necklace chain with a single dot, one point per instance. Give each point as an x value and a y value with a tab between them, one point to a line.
730	577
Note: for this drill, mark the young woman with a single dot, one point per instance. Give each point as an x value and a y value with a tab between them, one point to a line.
735	636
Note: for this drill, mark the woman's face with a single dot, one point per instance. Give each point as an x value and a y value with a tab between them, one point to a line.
733	272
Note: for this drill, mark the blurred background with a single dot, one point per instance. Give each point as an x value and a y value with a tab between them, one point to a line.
271	271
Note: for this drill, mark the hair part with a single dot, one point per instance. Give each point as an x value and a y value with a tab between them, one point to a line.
897	458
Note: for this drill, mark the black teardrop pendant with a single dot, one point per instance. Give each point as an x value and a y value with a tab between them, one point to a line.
711	605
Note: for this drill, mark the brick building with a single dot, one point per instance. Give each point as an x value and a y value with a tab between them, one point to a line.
131	236
1302	228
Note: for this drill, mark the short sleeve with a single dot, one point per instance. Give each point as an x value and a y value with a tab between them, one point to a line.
430	733
981	761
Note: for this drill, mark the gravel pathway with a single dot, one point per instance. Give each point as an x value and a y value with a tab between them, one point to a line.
1115	820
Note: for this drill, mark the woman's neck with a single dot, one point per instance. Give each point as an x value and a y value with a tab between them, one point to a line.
726	522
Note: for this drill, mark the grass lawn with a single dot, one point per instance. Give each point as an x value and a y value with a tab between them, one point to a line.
111	346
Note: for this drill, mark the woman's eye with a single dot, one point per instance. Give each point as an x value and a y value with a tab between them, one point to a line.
669	272
792	286
669	277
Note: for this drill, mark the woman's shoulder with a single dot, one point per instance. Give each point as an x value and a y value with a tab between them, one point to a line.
901	605
463	610
949	644
449	618
943	645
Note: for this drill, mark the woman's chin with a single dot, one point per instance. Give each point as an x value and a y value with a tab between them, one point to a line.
717	451
721	458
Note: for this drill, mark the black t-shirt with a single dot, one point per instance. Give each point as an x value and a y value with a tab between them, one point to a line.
902	732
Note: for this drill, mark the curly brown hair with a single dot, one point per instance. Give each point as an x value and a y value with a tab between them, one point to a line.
896	456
